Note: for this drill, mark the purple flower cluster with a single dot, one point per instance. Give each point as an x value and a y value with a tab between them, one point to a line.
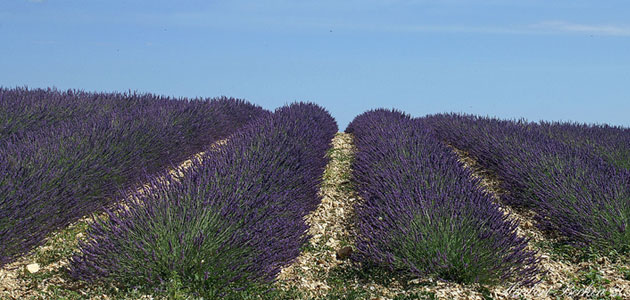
234	218
422	213
23	110
57	166
575	188
610	142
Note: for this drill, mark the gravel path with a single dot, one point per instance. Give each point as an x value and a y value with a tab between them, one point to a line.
330	225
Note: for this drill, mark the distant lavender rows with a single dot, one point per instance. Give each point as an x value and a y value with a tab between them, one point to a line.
575	177
233	219
422	212
25	110
64	155
612	143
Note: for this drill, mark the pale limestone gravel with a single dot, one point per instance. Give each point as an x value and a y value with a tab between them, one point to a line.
14	281
330	226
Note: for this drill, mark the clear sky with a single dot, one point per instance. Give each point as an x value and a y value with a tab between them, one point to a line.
552	60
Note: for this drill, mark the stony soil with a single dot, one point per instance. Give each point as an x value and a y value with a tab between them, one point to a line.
330	226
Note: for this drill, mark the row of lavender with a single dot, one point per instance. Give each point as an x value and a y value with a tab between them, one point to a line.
422	212
61	161
612	143
24	110
574	177
233	219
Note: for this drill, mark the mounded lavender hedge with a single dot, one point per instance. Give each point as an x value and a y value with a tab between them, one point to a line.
610	142
234	218
422	213
574	190
51	177
24	110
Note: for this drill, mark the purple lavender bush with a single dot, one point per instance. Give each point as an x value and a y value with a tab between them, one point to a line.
233	219
423	214
50	178
573	189
24	110
610	142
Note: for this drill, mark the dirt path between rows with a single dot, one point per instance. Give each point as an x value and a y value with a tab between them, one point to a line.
330	225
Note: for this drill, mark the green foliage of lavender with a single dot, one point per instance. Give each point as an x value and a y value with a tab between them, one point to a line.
50	177
575	187
232	220
422	213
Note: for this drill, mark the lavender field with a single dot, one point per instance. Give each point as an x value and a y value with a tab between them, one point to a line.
139	196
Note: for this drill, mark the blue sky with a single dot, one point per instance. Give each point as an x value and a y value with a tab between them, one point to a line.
551	60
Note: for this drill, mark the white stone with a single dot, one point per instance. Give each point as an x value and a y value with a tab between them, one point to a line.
32	268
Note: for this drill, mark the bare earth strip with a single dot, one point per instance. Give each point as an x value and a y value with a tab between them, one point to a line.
330	226
49	279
